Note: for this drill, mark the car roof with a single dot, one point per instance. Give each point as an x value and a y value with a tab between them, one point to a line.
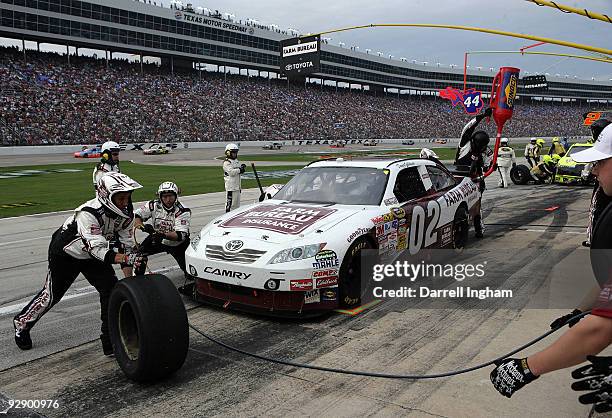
370	163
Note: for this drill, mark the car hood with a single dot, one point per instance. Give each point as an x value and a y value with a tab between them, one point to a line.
280	222
567	162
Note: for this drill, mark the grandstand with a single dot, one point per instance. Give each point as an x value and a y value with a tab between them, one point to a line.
58	99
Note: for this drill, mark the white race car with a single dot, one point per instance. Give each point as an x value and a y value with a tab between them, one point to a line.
299	252
156	149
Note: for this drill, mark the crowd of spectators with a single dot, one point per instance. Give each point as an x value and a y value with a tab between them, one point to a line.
48	101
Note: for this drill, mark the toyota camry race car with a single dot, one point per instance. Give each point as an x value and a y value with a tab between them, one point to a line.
156	149
571	172
299	252
92	152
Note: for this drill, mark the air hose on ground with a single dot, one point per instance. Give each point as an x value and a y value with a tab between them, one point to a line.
384	375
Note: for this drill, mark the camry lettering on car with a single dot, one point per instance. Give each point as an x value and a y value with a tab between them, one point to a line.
227	273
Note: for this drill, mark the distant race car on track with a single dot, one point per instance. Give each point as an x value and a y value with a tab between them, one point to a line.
156	149
273	145
370	142
299	252
91	152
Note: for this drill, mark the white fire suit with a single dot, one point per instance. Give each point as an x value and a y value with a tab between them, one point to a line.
177	219
532	154
83	244
101	169
505	159
231	174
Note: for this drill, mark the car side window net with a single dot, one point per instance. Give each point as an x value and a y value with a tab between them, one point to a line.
440	179
408	185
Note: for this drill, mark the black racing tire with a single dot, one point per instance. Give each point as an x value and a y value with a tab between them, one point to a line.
461	228
148	327
349	285
520	174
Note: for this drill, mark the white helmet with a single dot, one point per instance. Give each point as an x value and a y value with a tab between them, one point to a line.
167	187
107	149
111	184
229	148
426	153
504	141
533	140
110	146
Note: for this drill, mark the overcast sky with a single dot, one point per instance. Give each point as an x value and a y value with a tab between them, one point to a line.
443	45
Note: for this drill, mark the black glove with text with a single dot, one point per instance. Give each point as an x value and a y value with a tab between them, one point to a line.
559	322
148	228
598	376
510	375
242	168
135	259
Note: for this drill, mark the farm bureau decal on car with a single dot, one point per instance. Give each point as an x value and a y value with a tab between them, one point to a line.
283	219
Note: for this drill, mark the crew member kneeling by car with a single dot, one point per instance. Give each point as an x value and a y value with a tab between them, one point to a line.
81	245
166	221
594	333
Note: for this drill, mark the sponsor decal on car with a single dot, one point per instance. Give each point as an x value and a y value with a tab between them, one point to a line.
283	219
446	234
325	259
329	294
386	217
460	193
226	273
391	201
327	282
398	213
324	273
302	284
357	233
312	296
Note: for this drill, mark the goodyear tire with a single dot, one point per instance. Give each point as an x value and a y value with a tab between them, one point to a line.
349	285
461	228
520	174
148	327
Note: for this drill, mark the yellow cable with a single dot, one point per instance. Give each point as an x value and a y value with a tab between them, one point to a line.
475	29
568	9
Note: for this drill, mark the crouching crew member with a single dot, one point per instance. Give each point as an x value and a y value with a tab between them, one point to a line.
166	221
81	245
506	159
232	169
109	161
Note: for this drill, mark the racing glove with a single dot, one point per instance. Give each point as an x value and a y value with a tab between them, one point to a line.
135	259
559	322
242	168
157	237
598	376
148	228
513	165
510	375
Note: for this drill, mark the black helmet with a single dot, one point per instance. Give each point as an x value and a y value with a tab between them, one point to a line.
598	126
480	140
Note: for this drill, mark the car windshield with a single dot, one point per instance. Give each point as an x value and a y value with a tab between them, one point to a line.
341	185
577	148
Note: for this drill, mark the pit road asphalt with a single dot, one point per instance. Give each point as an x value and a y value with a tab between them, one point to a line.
539	249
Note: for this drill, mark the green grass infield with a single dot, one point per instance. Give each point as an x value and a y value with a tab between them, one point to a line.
52	190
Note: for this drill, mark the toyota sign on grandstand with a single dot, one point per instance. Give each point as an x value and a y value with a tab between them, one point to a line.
300	56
